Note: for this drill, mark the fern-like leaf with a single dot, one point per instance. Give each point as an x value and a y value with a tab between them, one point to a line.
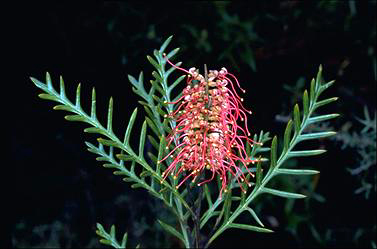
300	122
110	238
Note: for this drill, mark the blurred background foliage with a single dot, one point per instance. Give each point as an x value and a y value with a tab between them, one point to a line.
272	46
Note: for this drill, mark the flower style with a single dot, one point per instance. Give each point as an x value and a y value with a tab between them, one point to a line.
207	135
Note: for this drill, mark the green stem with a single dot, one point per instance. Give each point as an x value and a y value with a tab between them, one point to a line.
183	223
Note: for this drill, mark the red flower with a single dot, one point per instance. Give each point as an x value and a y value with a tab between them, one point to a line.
207	135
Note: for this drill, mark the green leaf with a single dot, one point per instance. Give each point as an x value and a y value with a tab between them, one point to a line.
325	86
108	142
153	62
120	173
78	96
110	165
325	102
157	99
316	135
128	179
172	53
112	231
296	171
145	104
141	80
160	111
259	173
127	135
159	79
162	190
251	228
105	242
296	118
305	153
160	154
145	174
124	241
236	198
171	230
63	108
48	97
305	100
49	82
208	196
93	114
273	152
110	116
156	85
287	135
133	81
109	238
75	118
227	204
152	126
254	215
101	158
62	89
125	157
318	78
152	157
137	185
166	126
149	112
37	83
312	93
153	141
246	186
142	139
95	130
100	227
165	44
321	118
282	193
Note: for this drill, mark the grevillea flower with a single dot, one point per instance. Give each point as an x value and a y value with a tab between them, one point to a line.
207	136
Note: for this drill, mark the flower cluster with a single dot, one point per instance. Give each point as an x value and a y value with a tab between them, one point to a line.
207	136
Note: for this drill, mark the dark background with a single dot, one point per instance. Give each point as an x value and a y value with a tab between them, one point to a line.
57	191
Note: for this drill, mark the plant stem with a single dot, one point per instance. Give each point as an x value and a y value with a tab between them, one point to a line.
183	223
197	220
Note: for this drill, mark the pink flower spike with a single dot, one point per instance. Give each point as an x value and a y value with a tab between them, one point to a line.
207	135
